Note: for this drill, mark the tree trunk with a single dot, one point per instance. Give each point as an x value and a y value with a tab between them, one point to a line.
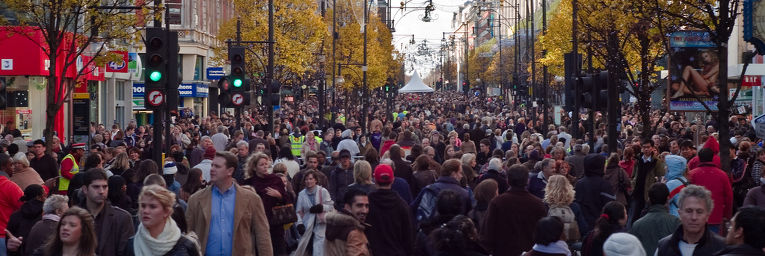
723	105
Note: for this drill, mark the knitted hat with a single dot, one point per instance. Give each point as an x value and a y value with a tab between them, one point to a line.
623	244
384	174
169	168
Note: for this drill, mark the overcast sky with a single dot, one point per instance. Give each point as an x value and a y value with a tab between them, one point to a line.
410	23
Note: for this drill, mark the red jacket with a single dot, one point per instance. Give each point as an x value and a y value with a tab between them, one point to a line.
716	181
9	201
710	144
386	145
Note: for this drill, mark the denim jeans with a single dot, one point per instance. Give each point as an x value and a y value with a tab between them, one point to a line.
3	250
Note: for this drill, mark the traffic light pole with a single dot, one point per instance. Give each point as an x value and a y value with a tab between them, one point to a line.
270	69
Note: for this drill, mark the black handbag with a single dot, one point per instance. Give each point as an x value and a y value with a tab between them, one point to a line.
283	214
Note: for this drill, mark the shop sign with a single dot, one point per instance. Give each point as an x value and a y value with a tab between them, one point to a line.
7	64
196	90
120	65
215	73
138	90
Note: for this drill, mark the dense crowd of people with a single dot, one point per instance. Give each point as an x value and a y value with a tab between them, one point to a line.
441	174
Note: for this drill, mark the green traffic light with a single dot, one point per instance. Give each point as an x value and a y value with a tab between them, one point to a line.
237	82
155	76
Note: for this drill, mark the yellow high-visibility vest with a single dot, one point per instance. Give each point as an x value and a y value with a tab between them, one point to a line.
296	145
63	183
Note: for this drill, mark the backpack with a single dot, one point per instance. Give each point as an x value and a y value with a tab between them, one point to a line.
424	206
570	226
677	190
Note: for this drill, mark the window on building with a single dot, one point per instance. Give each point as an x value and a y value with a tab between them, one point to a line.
119	116
199	68
176	14
120	90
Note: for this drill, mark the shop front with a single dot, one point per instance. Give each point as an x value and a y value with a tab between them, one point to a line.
24	68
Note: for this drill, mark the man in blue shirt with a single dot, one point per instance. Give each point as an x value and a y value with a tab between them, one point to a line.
228	218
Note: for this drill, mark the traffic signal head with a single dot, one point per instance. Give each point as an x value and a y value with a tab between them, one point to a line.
156	52
387	87
236	56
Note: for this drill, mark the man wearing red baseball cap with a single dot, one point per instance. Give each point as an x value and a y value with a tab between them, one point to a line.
391	224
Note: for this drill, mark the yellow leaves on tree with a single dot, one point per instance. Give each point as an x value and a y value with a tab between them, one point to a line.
350	47
298	32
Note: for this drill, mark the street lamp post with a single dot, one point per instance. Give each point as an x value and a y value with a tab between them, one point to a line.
364	73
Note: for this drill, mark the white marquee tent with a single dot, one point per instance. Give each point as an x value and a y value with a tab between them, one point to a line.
415	85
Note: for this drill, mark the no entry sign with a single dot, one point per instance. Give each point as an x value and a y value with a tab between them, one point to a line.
156	98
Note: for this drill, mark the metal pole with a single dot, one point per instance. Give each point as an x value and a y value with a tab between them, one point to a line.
364	74
533	59
157	114
270	68
334	46
467	68
545	89
571	80
501	62
238	110
517	49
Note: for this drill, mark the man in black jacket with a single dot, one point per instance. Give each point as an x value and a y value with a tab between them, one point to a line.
340	178
592	191
391	232
43	163
692	237
746	235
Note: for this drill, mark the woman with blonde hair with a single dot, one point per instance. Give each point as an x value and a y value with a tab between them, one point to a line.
272	191
158	234
362	179
75	235
559	197
120	164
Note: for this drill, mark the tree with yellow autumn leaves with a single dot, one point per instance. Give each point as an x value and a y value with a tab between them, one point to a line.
298	32
303	42
72	33
349	52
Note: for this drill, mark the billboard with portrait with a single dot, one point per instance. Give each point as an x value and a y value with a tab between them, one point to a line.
693	71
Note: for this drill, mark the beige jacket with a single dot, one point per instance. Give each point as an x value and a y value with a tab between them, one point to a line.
251	231
345	236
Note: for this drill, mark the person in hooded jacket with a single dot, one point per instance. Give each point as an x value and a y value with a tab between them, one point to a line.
390	232
22	220
676	180
592	191
712	144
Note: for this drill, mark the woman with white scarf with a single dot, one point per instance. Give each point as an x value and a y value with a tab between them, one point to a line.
313	202
158	234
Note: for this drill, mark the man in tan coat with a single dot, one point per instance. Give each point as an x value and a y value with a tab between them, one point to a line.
229	219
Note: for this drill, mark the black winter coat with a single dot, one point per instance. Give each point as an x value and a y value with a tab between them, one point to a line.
709	244
22	220
390	232
592	193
